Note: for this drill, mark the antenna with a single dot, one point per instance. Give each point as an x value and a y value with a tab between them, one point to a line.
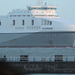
45	3
39	2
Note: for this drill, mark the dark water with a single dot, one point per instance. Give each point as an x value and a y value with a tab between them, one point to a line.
50	74
39	52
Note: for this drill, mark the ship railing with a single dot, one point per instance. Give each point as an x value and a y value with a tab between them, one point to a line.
39	59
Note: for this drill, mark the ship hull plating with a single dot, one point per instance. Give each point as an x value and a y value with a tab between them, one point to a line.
41	39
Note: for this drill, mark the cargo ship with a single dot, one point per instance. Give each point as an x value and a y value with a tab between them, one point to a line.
36	26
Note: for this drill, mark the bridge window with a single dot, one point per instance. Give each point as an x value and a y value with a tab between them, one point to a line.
0	23
47	22
14	15
23	22
24	15
50	22
42	21
10	15
32	22
19	15
28	15
36	11
13	22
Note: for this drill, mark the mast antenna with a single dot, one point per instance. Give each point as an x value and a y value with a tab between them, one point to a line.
39	2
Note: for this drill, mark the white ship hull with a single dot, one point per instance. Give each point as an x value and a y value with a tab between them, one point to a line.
41	39
38	26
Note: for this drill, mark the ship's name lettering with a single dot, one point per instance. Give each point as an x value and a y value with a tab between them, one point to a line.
19	27
47	28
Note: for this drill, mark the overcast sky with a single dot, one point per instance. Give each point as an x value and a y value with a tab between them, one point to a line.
66	8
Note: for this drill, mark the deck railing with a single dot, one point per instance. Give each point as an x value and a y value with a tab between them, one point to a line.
39	59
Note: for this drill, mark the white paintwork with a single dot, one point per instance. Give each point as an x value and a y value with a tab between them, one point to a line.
37	15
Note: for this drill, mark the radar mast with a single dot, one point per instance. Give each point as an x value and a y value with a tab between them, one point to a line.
39	2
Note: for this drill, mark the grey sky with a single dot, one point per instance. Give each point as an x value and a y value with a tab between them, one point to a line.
66	8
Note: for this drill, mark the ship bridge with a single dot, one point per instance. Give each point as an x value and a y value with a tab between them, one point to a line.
42	7
43	11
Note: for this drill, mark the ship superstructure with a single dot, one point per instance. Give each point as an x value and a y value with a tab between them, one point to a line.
38	26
